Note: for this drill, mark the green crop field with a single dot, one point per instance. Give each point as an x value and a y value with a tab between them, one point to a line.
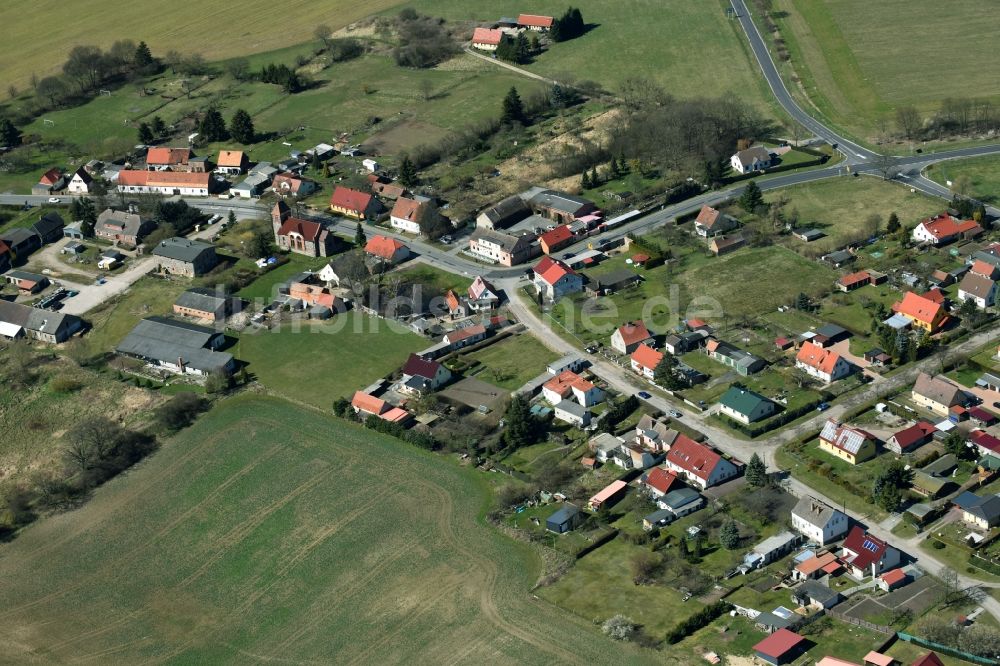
270	533
41	33
319	362
983	174
860	60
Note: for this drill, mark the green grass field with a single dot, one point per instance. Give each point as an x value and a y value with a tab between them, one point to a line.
267	532
512	362
323	361
434	278
113	319
983	174
860	60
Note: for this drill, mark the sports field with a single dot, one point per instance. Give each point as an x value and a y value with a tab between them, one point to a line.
272	534
860	60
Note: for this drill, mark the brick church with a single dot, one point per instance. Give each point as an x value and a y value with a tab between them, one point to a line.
301	236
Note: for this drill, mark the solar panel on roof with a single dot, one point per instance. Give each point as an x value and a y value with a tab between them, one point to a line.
870	545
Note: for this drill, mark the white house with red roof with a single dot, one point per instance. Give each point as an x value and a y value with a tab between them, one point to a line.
387	250
865	555
421	376
463	337
699	464
405	215
942	229
535	22
659	481
627	337
645	359
569	385
486	39
554	279
823	364
483	295
712	222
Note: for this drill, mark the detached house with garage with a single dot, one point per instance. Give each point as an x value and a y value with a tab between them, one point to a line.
119	226
386	250
937	394
627	338
711	222
865	555
819	522
943	229
486	39
847	443
568	385
482	295
645	359
699	464
554	279
421	376
232	162
823	364
921	312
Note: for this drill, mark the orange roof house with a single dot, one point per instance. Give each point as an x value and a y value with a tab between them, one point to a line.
232	161
922	312
555	239
486	37
50	177
167	157
824	364
645	359
385	248
369	404
535	22
352	203
944	228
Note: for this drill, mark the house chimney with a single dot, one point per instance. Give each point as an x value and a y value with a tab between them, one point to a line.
180	363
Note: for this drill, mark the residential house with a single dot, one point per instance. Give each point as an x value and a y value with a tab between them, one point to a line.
385	188
387	250
18	321
503	248
289	184
177	346
711	222
755	158
554	279
486	39
937	394
456	305
699	464
559	206
21	242
818	521
183	256
633	456
26	283
613	281
483	295
943	229
535	22
364	403
645	359
659	481
627	337
169	183
608	496
743	362
122	227
823	364
770	550
573	413
892	579
204	303
463	337
51	181
354	204
421	376
504	214
980	285
162	158
817	566
781	647
556	239
681	502
406	215
565	518
908	439
232	162
312	296
655	434
300	236
678	344
865	555
982	512
745	406
251	187
570	386
847	443
721	245
604	446
80	182
816	595
49	227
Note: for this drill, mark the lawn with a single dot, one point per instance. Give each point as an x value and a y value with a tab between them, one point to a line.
840	208
262	290
434	278
859	61
319	362
983	174
238	541
512	362
113	319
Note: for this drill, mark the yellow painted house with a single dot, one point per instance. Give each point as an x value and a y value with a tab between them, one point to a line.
922	312
852	445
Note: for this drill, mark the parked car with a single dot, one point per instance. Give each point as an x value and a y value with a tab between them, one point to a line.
644	395
54	199
674	414
822	407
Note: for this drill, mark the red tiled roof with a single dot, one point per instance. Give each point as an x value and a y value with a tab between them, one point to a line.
287	182
168	156
778	644
310	231
419	367
535	21
915	434
693	457
854	278
980	414
865	557
815	356
552	270
929	659
50	177
661	479
368	403
396	415
707	216
640	258
894	576
633	332
918	307
985	440
163	178
945	226
406	209
878	659
467	332
383	246
486	36
352	200
558	235
647	357
566	381
814	564
230	158
934	295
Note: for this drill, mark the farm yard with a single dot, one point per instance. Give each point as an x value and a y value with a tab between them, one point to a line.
237	539
858	61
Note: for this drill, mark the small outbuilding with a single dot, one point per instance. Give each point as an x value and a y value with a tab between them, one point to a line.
781	647
565	519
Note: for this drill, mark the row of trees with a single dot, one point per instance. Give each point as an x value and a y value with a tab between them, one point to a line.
956	115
